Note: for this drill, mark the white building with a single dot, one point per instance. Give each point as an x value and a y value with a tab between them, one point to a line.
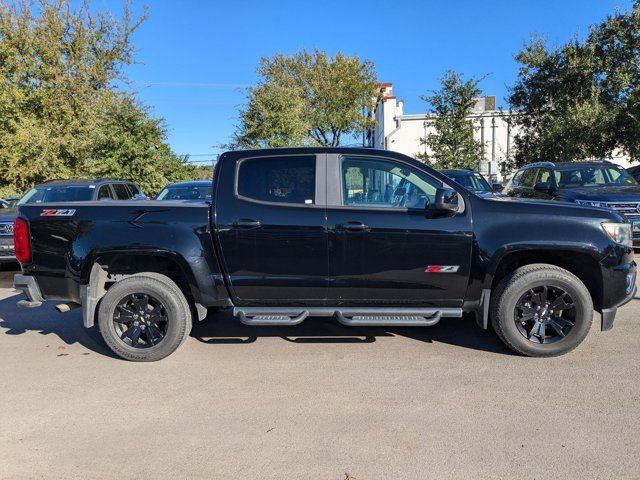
402	133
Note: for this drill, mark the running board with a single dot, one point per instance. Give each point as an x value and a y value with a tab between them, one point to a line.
375	319
350	316
268	319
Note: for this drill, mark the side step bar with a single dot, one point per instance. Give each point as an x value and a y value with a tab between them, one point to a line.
350	316
270	319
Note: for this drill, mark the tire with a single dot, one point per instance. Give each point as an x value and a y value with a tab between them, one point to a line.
164	298
519	295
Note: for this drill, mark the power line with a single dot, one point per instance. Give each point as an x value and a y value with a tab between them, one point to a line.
199	154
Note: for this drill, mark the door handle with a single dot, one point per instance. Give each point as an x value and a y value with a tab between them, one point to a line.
353	227
246	223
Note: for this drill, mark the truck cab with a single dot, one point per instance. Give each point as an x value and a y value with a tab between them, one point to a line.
368	227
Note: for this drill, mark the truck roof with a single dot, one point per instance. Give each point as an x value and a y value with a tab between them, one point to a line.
83	181
191	183
310	151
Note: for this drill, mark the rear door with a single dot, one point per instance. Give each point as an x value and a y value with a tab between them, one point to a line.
271	228
387	244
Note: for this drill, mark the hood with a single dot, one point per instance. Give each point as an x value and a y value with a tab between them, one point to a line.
554	207
491	194
622	193
542	208
8	214
486	194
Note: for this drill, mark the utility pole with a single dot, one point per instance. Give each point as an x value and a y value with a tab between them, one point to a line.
482	143
493	144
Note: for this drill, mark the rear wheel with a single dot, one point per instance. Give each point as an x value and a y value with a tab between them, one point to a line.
144	317
541	310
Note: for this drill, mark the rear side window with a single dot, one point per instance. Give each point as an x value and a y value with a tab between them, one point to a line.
134	189
544	176
122	193
104	192
278	179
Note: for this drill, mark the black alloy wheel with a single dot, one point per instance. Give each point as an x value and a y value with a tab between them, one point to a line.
545	314
140	320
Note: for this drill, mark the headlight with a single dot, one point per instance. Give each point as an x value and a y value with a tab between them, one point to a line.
589	203
619	233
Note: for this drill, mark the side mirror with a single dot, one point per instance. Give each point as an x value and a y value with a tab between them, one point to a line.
447	200
497	187
542	187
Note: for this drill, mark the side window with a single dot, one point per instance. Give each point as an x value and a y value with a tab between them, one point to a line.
133	189
528	177
290	179
104	192
517	178
372	182
122	193
544	176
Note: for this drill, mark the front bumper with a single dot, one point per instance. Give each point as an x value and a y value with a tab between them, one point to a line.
609	314
28	285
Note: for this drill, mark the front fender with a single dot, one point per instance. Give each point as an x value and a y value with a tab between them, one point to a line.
529	247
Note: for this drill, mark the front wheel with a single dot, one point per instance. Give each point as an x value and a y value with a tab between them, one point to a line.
144	318
541	310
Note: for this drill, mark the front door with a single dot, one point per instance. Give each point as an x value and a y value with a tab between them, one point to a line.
271	229
388	245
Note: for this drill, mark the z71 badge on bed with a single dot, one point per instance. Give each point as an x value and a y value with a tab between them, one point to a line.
57	212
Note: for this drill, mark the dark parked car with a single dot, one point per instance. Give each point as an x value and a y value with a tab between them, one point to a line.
10	201
373	238
7	215
82	190
63	191
634	172
592	184
473	181
196	191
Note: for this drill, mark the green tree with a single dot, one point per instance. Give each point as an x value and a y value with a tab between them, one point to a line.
59	67
451	144
582	99
129	143
307	99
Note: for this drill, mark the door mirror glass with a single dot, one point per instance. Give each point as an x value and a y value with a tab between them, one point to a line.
447	200
497	187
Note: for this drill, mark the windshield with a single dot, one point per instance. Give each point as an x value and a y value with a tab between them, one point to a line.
194	193
592	176
58	193
472	180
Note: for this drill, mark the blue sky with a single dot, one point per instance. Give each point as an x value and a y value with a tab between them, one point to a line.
196	56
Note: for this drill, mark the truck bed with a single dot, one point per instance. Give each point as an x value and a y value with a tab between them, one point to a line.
69	238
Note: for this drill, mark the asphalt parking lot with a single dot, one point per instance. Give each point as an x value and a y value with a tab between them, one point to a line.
317	401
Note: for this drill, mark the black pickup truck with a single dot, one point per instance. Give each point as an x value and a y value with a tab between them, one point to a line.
373	238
